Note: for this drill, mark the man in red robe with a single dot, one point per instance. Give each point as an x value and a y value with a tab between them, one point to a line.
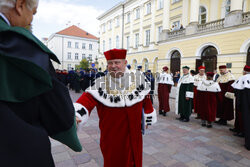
197	79
207	93
121	98
225	111
165	83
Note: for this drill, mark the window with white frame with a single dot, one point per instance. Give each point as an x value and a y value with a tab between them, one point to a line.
202	15
159	32
110	25
148	9
90	47
69	44
69	55
174	1
117	41
104	28
83	46
76	56
90	57
128	42
69	67
128	18
175	25
136	40
160	4
103	45
110	43
76	45
227	7
83	56
147	42
117	22
137	13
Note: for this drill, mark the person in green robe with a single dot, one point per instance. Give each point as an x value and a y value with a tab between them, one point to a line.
34	104
184	95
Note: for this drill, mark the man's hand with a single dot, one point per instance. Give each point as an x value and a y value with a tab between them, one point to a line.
78	120
187	98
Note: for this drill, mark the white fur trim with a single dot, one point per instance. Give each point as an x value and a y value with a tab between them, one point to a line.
190	94
83	118
209	86
198	79
226	78
165	78
151	118
229	95
124	98
242	83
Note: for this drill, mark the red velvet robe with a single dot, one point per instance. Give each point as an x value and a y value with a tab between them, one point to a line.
121	137
163	96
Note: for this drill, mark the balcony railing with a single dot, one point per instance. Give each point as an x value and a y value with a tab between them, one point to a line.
176	33
211	26
246	17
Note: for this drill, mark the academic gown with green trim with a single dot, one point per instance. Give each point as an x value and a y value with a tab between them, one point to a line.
34	104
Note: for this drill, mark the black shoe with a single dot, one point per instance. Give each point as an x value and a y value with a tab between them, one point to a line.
179	118
203	124
209	126
185	120
164	114
233	130
218	122
248	148
224	122
240	134
160	112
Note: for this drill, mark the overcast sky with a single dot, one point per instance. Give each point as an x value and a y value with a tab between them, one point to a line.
53	15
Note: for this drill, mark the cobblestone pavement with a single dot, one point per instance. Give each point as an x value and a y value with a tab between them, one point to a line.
169	143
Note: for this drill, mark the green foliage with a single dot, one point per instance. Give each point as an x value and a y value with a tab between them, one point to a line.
84	64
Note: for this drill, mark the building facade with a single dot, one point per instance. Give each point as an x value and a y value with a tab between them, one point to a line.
71	45
179	32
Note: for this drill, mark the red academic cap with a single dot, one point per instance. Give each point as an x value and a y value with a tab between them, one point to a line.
210	74
201	68
222	67
165	68
247	68
115	54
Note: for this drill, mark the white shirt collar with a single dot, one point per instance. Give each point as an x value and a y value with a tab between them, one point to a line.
7	21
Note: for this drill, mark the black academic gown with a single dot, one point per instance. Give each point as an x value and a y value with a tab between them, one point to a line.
34	104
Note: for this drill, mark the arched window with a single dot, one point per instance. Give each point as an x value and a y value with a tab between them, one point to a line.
248	57
117	42
209	58
134	64
175	62
146	65
202	15
227	7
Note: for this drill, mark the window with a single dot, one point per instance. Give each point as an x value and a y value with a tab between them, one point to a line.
69	67
128	38
128	18
103	47
160	4
228	6
202	15
147	37
76	56
137	40
110	43
159	32
104	28
83	56
69	56
137	13
174	1
117	41
90	46
76	45
110	25
148	11
83	46
175	26
117	22
90	57
69	44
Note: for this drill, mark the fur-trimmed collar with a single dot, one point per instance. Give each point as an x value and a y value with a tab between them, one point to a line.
208	86
125	91
165	78
242	83
226	78
186	79
198	78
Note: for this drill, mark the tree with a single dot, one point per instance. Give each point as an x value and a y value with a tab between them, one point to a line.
84	64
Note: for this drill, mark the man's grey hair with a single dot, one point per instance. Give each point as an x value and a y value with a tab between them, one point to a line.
5	5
